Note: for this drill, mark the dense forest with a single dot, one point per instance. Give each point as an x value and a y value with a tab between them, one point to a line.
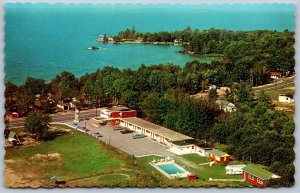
161	94
247	55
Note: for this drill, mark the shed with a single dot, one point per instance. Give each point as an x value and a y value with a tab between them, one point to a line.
275	75
234	169
192	177
286	98
226	106
219	157
63	106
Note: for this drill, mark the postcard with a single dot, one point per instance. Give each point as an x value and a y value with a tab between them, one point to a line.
149	95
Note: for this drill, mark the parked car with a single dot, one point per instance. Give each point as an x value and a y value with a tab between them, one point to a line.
99	135
118	128
138	136
75	125
126	131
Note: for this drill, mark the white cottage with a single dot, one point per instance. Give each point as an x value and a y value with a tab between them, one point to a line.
286	98
199	147
234	169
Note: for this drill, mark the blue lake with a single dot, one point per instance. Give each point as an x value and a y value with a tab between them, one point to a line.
43	40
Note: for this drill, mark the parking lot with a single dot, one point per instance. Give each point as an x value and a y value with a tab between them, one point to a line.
125	142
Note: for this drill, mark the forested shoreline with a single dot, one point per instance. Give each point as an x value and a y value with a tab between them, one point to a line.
247	55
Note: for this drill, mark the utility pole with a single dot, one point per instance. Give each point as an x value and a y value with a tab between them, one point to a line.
109	139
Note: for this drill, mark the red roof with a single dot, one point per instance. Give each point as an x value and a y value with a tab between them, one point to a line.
276	73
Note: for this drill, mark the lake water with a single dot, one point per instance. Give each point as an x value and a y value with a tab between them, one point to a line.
43	40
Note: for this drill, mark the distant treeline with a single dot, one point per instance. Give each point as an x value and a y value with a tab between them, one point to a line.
245	53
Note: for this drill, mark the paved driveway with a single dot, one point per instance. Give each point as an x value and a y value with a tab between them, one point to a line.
125	142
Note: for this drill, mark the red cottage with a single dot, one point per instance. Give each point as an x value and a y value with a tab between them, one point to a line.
257	176
275	75
219	157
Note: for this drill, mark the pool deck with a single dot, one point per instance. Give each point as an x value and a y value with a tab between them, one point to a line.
171	176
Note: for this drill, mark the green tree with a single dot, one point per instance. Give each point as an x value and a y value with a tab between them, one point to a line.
213	94
11	94
37	123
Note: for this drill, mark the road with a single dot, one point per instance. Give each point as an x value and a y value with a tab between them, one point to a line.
277	85
69	115
57	117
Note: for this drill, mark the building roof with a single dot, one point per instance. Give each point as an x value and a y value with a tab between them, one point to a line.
62	103
276	73
228	167
118	108
219	153
222	103
258	171
290	95
162	131
199	143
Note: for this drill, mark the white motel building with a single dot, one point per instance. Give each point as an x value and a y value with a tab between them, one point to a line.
177	142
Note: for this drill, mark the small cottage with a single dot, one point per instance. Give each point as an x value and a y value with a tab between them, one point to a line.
226	106
257	176
234	169
63	106
286	98
275	75
219	157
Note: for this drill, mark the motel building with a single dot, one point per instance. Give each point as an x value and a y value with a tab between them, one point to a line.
257	176
119	111
177	142
200	147
219	157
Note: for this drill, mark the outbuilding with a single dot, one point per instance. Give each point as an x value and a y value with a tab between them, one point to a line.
219	157
63	106
234	169
276	75
200	147
257	176
155	132
286	98
226	106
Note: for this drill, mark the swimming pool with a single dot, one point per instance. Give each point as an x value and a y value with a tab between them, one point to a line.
170	169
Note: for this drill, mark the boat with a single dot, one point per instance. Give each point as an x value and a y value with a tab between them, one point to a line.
93	48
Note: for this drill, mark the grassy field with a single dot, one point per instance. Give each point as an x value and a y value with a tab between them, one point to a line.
208	58
83	161
274	94
77	156
144	161
195	158
205	171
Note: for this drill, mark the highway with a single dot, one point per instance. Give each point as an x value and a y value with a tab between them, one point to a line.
57	117
277	85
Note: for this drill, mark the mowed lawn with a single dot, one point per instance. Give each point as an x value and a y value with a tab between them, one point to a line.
79	156
206	171
144	161
195	158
